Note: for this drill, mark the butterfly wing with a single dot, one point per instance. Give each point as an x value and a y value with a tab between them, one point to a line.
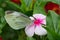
17	20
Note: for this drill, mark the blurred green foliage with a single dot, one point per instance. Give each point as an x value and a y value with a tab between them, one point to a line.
28	8
52	26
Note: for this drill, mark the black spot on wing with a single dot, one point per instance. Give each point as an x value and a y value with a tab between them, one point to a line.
22	15
9	12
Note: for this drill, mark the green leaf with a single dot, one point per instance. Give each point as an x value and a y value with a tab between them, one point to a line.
59	25
52	26
1	12
13	5
26	5
54	18
39	7
10	33
55	1
0	2
21	35
2	20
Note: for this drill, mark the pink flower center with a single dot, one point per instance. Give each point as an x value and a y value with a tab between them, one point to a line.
38	21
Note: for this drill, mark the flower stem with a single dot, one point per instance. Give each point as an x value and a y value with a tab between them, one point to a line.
42	38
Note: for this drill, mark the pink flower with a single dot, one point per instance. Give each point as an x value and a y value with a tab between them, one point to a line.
36	26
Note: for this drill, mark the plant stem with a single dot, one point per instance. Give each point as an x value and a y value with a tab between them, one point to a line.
42	38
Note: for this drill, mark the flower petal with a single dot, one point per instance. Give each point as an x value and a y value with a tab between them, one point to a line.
44	22
40	30
39	16
29	30
31	18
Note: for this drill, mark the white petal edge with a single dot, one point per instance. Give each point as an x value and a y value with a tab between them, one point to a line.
39	16
31	18
29	30
39	30
44	22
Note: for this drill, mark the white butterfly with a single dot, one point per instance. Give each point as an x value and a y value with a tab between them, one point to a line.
17	20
